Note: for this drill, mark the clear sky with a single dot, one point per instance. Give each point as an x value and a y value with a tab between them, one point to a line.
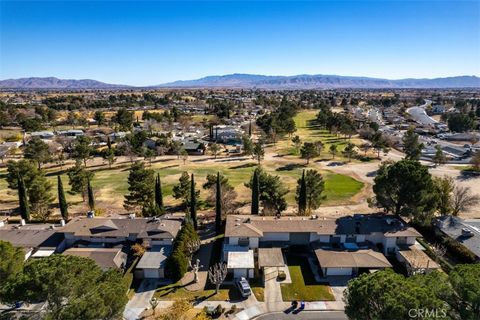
152	42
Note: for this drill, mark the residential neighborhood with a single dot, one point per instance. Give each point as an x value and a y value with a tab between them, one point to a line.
240	160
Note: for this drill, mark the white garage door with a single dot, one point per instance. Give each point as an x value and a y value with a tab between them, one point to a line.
151	273
339	271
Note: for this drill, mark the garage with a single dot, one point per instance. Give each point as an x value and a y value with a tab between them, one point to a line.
152	263
338	271
241	263
347	263
299	237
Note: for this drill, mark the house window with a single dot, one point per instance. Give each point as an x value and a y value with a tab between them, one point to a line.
243	241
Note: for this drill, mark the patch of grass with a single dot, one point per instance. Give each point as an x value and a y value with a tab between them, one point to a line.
340	187
177	291
303	286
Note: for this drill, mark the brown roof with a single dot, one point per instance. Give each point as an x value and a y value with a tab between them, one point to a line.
166	227
351	259
270	257
417	258
103	257
255	226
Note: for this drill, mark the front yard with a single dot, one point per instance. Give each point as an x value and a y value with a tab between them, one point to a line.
303	286
177	291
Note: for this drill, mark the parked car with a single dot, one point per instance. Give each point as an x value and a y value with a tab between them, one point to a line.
243	287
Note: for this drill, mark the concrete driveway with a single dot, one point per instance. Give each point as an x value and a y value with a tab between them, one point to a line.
141	300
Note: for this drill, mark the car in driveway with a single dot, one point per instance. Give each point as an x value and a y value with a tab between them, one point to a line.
243	286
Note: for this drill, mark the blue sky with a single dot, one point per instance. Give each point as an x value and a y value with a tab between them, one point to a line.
146	43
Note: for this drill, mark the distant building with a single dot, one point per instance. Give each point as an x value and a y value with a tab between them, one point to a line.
465	232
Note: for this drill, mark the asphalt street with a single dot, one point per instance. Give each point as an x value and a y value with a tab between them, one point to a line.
304	315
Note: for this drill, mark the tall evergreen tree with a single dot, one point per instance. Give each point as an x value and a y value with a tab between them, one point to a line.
302	196
255	193
158	193
62	201
109	143
91	199
23	200
218	205
193	203
250	128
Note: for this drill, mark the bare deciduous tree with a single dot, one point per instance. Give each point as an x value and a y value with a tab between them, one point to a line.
192	246
463	199
217	274
439	251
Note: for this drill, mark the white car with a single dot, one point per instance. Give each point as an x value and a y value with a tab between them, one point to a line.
243	287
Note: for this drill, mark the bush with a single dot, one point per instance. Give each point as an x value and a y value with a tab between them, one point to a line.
459	250
177	265
281	275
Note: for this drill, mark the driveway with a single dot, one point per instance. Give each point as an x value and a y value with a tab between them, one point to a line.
141	300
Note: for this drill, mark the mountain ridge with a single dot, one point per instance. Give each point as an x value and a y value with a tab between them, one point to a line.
56	83
247	81
320	81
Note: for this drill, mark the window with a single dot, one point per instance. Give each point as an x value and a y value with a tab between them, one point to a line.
243	241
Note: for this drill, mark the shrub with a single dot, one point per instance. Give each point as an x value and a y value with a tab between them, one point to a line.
281	275
177	265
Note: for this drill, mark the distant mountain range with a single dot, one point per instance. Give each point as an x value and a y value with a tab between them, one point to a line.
321	82
55	83
256	81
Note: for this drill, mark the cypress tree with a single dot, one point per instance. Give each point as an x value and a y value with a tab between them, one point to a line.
255	193
218	206
193	203
302	196
91	199
109	143
23	200
158	193
250	128
62	201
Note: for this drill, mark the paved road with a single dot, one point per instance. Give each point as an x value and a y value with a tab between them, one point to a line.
305	315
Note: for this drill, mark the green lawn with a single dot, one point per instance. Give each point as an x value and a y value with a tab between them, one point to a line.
303	286
308	131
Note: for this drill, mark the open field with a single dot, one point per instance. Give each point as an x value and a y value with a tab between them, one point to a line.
308	131
111	184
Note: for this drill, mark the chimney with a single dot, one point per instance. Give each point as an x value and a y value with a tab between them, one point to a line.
62	223
22	222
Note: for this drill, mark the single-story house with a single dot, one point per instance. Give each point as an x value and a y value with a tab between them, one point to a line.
44	135
105	258
348	263
152	263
